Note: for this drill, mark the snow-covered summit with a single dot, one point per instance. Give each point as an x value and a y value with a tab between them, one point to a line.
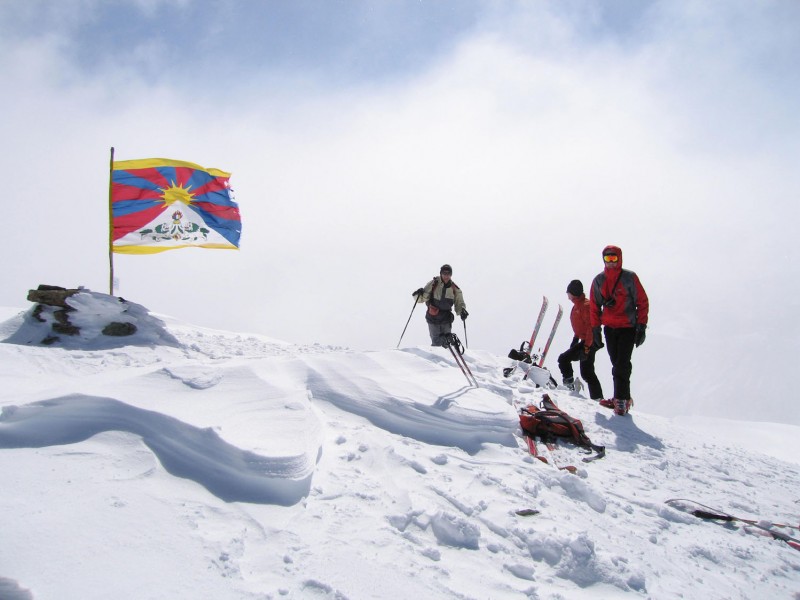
89	314
205	464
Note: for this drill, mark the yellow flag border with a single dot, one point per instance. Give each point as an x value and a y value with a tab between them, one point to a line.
135	249
152	163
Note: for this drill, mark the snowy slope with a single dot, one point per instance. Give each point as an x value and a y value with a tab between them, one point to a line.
196	463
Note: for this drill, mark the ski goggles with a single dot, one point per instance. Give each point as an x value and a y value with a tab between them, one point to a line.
611	258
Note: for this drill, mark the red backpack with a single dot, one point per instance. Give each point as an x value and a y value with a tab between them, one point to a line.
549	422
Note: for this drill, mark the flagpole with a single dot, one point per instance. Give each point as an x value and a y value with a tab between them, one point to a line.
110	227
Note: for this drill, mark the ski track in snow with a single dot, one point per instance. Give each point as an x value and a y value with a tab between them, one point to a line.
327	473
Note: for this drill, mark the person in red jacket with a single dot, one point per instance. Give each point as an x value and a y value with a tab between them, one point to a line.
581	348
618	302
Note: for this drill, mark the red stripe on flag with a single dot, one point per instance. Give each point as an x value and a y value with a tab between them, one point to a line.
120	192
125	224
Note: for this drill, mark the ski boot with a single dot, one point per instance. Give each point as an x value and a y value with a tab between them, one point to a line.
621	407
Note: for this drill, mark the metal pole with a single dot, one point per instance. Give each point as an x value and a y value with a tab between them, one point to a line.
407	322
110	227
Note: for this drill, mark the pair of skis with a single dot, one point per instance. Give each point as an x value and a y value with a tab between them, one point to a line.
529	349
560	313
553	455
453	344
701	511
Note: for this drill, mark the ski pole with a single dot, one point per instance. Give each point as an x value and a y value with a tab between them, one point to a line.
407	322
466	341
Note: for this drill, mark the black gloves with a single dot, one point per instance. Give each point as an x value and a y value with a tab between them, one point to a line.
597	338
419	292
639	336
464	314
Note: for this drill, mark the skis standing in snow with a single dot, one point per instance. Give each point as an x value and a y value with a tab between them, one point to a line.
559	314
441	295
618	301
456	348
581	348
525	349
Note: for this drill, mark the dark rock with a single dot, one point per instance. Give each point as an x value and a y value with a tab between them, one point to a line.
51	295
119	329
66	328
38	311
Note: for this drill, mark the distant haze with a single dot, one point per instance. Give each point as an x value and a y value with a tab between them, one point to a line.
369	144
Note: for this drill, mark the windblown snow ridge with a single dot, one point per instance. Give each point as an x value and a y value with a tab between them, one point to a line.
437	414
232	474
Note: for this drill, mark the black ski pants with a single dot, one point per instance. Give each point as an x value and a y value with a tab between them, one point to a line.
620	342
565	360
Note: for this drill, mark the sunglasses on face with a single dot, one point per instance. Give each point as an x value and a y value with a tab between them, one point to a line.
611	258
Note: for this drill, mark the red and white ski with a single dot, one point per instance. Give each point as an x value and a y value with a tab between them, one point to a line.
552	335
538	325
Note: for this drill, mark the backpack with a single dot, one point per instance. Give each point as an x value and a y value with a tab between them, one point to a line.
549	422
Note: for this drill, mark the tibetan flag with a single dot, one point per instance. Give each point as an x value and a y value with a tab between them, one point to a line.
159	204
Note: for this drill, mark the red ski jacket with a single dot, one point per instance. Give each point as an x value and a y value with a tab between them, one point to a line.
617	298
580	320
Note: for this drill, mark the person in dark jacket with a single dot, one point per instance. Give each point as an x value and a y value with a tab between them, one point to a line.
618	302
442	296
581	348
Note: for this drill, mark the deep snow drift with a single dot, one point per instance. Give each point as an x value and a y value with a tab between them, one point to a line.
191	463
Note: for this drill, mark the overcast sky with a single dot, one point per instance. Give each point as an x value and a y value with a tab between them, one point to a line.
370	142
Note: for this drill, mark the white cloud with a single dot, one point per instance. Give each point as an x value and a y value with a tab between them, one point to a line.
515	162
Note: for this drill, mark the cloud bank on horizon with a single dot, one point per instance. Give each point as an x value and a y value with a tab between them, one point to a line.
371	143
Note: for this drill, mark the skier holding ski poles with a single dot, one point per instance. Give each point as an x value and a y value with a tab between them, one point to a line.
618	301
442	296
582	348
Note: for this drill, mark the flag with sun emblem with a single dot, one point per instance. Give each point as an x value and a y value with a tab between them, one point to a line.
159	204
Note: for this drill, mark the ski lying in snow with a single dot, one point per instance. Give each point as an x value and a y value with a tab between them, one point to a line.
526	512
552	448
534	450
600	453
457	350
702	511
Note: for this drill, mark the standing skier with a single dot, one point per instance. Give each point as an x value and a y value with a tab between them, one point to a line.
442	295
582	348
618	301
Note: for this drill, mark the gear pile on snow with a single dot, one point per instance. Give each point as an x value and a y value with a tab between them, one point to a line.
548	422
